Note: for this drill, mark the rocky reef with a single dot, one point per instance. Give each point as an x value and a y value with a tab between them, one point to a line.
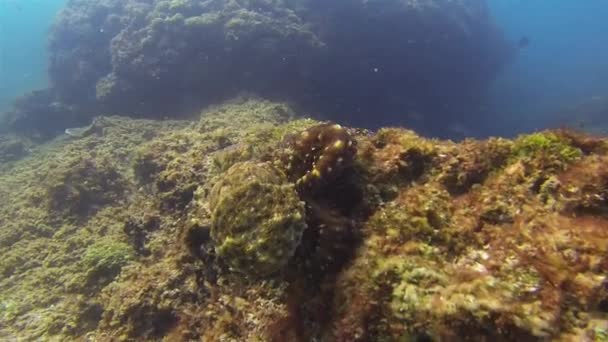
168	57
211	230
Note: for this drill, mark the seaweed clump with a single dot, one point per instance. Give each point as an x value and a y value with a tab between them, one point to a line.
257	218
103	261
553	149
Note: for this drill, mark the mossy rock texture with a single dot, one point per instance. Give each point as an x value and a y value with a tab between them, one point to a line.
257	218
195	230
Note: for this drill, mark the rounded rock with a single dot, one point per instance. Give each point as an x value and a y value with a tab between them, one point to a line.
257	218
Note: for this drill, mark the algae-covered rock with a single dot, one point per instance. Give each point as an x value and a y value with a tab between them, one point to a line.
196	231
145	50
257	218
13	148
547	145
472	163
104	259
63	208
245	128
83	184
484	245
166	57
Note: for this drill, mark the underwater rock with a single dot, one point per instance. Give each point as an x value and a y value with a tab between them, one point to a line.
13	148
242	41
83	185
138	231
39	114
397	156
257	219
103	261
416	238
147	58
583	188
424	44
472	163
175	165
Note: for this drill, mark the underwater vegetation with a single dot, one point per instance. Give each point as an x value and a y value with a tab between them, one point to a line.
166	58
233	228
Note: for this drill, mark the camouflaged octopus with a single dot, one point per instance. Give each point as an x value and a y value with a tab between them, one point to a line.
318	155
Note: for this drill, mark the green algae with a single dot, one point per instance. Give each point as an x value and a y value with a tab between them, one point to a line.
104	259
47	288
424	218
545	143
415	284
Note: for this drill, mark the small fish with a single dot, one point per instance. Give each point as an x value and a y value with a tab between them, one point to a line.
523	42
94	127
76	132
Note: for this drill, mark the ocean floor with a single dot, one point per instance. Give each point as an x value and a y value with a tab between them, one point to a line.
252	224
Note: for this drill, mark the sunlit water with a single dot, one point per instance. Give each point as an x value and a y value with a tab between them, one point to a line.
23	35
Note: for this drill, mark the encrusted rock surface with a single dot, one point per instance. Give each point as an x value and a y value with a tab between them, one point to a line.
257	218
416	238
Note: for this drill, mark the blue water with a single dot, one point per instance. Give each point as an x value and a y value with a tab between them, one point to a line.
565	63
24	25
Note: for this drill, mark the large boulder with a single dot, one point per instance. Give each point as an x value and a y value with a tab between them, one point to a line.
257	218
351	57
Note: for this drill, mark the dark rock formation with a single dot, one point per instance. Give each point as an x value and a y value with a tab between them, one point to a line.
164	58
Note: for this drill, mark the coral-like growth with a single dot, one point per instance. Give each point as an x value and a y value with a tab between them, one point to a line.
320	161
257	219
